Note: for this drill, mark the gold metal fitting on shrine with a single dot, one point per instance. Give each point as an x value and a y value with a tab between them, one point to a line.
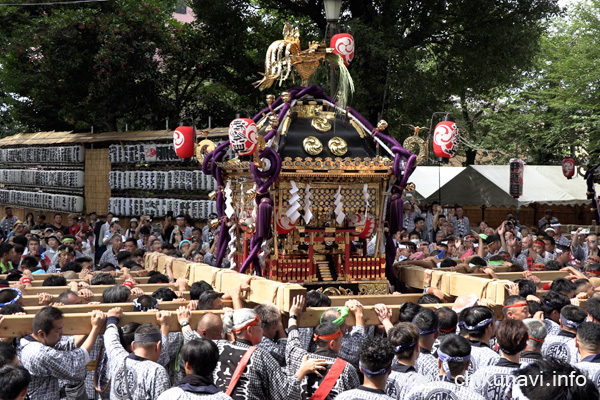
312	145
382	125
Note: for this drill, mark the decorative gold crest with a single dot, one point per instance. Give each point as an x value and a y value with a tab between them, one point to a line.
312	145
338	146
321	124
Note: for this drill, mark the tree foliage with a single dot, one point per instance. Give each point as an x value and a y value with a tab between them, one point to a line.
553	112
129	61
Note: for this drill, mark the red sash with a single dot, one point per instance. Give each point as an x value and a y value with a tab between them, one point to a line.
330	379
239	370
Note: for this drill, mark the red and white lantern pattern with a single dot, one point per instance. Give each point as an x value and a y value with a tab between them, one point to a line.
367	223
284	225
343	44
243	136
183	141
445	139
568	167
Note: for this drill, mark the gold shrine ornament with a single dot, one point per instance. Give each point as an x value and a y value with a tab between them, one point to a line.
204	147
312	145
412	143
338	146
321	124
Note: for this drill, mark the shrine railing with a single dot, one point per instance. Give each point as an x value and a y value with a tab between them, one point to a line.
292	268
361	268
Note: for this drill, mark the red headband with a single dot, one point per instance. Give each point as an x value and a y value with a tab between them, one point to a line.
538	267
255	321
593	272
539	242
331	336
537	340
517	305
447	330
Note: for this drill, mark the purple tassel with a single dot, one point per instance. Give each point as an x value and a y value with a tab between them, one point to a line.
264	214
408	169
222	245
263	218
254	251
390	256
395	215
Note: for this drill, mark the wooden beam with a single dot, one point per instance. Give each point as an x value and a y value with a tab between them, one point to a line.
80	323
312	316
181	268
371	300
204	272
44	276
148	287
461	284
33	300
143	279
412	276
86	308
286	294
513	276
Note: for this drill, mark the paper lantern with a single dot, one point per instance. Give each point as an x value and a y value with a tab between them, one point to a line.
568	167
343	44
367	224
356	220
284	225
445	139
370	224
243	136
183	141
516	177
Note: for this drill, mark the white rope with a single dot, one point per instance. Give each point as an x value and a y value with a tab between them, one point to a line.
307	213
339	214
294	204
231	246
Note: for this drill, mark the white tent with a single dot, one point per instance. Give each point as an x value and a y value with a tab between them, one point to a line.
488	185
428	179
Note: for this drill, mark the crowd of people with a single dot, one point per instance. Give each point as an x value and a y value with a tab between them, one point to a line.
546	345
436	241
37	245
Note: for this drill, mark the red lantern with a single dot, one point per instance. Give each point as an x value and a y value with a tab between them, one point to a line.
568	165
445	139
367	224
369	227
243	136
284	225
343	44
184	138
356	220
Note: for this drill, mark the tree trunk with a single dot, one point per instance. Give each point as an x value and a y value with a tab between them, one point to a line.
471	154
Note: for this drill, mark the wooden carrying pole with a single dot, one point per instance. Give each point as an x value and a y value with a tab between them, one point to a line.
80	323
105	307
149	287
33	300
